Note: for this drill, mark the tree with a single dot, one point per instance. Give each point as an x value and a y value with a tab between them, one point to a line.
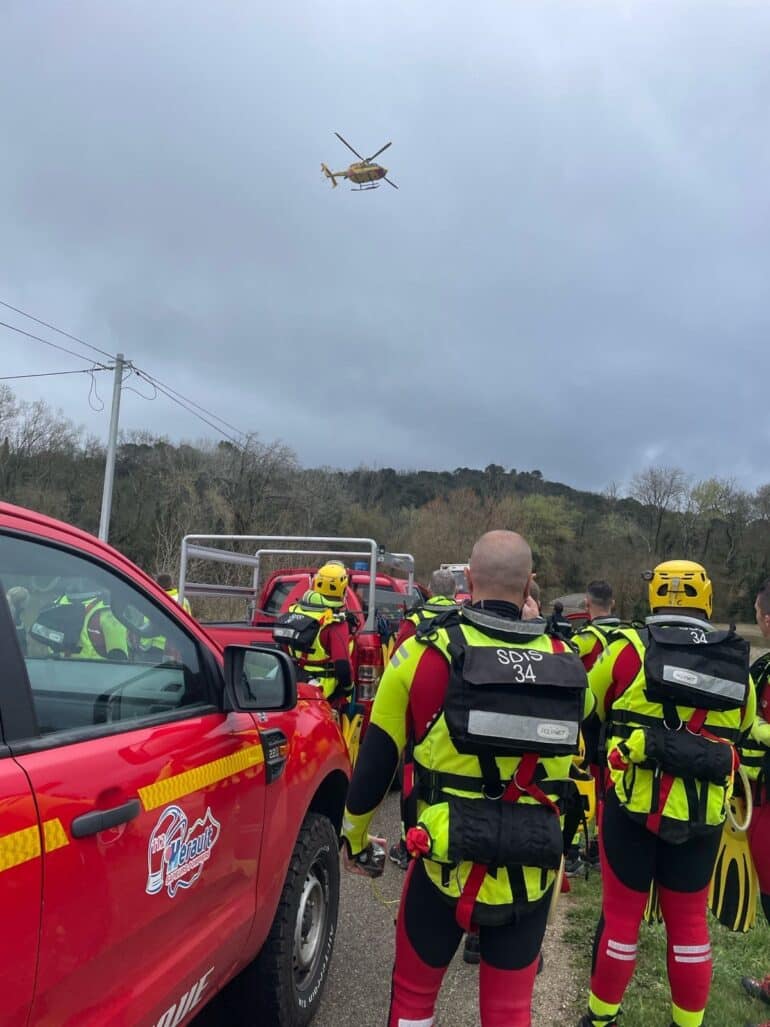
661	490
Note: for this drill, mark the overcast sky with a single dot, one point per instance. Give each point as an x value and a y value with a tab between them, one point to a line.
573	275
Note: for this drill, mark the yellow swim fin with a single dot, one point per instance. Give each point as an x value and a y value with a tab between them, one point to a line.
734	887
652	913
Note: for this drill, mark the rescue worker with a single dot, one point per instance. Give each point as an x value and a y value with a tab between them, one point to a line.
558	623
316	633
153	649
489	783
755	758
442	587
101	636
166	582
591	640
675	697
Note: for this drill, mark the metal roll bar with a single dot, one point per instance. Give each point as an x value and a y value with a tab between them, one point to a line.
191	549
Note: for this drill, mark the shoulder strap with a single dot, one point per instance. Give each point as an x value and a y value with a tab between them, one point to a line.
428	627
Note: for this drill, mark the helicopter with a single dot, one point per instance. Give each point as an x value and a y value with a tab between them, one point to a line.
364	173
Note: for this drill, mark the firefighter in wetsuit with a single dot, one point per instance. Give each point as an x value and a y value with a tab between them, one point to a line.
442	586
491	706
324	655
592	639
675	697
755	758
166	582
102	636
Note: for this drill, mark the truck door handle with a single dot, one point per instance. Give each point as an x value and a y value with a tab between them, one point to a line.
101	819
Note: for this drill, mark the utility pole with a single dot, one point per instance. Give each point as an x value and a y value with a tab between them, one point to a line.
112	447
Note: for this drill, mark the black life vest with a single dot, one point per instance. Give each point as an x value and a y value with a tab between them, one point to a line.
509	702
687	664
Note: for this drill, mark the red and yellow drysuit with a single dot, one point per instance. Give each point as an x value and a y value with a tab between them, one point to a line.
508	903
431	608
328	662
755	758
658	826
593	639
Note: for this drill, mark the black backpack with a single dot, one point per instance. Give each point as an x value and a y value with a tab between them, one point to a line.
687	664
508	702
297	630
59	627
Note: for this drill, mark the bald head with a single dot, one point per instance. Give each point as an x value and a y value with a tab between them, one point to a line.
500	567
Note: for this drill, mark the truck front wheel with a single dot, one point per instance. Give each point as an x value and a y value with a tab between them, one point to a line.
291	970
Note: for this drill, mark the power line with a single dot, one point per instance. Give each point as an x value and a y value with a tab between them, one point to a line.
53	328
190	405
51	374
53	345
188	408
186	399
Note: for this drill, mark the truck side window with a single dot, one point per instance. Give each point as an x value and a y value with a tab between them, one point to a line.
97	650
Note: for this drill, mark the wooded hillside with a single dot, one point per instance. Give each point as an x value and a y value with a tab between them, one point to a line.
165	490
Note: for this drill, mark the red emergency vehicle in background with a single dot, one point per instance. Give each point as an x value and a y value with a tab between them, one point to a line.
169	808
375	601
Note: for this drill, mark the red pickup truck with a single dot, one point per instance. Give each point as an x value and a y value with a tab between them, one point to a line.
169	808
375	601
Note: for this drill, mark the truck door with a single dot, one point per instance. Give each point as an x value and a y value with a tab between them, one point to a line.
150	898
21	845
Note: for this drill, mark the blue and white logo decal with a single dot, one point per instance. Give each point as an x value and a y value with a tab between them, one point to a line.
177	853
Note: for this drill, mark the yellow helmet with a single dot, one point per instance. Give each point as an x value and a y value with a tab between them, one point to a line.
680	583
331	580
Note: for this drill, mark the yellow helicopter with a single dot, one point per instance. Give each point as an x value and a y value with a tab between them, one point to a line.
364	173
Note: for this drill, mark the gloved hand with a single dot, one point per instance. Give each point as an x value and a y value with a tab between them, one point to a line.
633	750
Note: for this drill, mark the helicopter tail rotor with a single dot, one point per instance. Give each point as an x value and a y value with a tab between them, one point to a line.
329	175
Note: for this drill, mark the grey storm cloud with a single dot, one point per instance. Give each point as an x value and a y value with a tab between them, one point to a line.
572	276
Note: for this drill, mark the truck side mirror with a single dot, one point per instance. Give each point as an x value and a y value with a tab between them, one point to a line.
259	679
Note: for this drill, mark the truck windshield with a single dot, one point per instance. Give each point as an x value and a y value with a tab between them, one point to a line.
274	605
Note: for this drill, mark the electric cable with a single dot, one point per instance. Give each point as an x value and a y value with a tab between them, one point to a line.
53	345
51	374
189	409
75	338
209	413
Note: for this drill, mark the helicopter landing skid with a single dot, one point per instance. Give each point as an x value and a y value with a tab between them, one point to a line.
366	188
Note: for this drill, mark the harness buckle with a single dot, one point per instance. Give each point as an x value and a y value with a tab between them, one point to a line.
678	727
493	798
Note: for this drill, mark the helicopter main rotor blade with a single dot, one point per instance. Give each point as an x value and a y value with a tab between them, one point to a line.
370	159
348	146
391	183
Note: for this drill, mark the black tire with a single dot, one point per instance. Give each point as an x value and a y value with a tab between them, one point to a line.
291	970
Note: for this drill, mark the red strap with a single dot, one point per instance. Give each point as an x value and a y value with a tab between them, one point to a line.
695	726
696	721
522	783
407	784
467	900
